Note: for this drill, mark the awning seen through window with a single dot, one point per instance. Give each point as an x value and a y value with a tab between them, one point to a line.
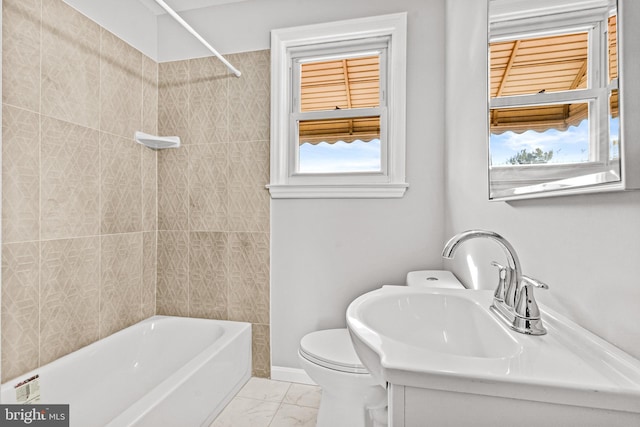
342	84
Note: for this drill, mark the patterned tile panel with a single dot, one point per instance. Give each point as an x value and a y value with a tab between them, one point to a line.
208	187
121	184
149	95
149	268
120	86
20	175
208	101
121	285
250	97
248	197
70	184
249	277
173	99
260	351
70	291
172	295
208	266
173	189
70	65
149	189
20	308
21	53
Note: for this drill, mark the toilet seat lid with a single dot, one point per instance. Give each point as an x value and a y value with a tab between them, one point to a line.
333	349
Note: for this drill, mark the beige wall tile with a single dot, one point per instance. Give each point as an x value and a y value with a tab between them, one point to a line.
149	266
208	274
149	95
149	189
249	277
21	53
70	182
173	99
208	101
173	189
260	351
121	184
120	86
70	65
249	97
70	282
20	308
52	187
121	285
20	175
172	295
248	197
209	187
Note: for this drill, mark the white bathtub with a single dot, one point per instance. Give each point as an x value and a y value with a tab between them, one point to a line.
163	371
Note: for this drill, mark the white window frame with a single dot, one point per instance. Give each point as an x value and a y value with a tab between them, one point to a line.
291	43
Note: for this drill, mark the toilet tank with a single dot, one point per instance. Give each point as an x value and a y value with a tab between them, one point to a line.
433	279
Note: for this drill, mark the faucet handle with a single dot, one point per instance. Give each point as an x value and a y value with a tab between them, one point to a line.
501	289
535	282
526	306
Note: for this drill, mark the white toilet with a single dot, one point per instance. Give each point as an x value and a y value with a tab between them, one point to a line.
350	395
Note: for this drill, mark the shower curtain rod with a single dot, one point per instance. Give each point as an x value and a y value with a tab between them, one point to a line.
188	27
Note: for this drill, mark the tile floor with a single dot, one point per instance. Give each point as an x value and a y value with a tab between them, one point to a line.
267	403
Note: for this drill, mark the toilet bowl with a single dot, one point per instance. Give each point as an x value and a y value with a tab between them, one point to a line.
350	396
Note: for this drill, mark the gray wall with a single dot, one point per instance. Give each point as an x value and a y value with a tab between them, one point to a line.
324	253
585	247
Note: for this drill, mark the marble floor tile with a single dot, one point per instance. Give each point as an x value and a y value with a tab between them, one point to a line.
267	403
243	412
303	395
264	389
294	416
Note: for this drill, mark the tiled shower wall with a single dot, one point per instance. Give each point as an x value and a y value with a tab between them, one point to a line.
80	214
79	195
213	207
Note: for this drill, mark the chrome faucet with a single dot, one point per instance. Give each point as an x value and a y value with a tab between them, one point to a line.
513	300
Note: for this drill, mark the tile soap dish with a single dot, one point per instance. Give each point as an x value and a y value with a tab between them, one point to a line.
157	142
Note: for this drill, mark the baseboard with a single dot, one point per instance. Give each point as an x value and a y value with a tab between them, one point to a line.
292	375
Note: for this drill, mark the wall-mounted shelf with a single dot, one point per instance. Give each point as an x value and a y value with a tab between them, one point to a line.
157	142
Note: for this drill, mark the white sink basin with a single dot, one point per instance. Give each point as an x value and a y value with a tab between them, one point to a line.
449	324
448	339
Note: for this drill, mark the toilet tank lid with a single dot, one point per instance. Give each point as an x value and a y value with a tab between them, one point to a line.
333	349
433	279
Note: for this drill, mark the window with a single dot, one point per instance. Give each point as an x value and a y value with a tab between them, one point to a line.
338	109
553	96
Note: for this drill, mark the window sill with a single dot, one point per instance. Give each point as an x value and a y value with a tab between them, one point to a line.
362	191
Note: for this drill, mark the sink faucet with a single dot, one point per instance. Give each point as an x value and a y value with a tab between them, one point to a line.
513	300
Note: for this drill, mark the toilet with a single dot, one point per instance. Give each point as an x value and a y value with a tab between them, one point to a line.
350	395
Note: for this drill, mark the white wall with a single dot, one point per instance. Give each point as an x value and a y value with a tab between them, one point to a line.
587	248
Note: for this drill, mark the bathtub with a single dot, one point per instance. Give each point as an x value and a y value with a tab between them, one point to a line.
163	371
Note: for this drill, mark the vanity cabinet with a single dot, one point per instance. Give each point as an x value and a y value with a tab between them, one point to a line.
421	407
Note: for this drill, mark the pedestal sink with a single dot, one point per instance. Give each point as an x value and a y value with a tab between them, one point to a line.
443	348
